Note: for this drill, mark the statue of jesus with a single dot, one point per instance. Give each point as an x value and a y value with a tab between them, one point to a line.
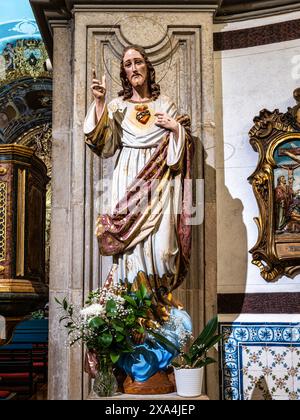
149	240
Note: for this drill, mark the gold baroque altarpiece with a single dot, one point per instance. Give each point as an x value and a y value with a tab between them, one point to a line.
276	186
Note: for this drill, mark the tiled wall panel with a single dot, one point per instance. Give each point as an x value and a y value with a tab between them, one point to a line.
260	361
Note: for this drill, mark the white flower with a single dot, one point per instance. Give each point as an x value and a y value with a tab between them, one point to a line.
120	300
93	310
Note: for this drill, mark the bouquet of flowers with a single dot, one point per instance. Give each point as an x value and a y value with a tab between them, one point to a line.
113	321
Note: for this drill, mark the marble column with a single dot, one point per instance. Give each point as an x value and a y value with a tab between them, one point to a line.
65	364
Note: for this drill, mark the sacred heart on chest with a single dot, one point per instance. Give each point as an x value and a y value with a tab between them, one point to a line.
142	113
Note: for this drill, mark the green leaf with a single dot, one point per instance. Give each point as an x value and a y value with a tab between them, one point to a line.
105	340
187	359
214	340
143	291
131	301
111	307
175	364
147	302
141	313
63	318
130	319
207	333
65	304
75	341
118	322
127	350
114	357
195	352
96	322
119	337
138	295
118	328
141	330
128	345
57	301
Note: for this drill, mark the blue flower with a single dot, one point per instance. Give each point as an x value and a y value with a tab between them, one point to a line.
230	345
241	334
265	334
230	369
287	334
231	394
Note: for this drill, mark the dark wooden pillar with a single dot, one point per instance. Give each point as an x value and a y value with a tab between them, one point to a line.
23	180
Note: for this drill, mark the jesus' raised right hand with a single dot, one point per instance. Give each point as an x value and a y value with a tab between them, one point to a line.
98	88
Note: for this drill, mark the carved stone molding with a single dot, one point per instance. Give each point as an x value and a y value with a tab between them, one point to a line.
53	11
172	52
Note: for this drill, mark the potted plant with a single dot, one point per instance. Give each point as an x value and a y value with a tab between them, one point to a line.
113	320
189	365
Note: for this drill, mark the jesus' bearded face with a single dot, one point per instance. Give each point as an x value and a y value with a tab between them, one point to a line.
135	68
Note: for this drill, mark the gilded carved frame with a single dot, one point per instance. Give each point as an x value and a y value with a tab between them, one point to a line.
276	137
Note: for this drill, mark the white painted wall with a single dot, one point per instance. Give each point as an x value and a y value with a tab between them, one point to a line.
247	80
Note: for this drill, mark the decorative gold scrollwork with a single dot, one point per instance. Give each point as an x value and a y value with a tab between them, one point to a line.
40	140
269	274
3	171
3	205
260	183
29	58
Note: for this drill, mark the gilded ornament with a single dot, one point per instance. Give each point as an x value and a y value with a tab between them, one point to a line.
26	58
3	217
276	186
3	171
40	140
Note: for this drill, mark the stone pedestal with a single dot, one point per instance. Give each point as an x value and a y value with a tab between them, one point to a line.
179	41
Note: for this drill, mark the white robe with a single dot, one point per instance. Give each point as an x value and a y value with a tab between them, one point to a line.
155	253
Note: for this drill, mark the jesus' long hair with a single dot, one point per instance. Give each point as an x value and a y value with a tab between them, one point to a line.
127	91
